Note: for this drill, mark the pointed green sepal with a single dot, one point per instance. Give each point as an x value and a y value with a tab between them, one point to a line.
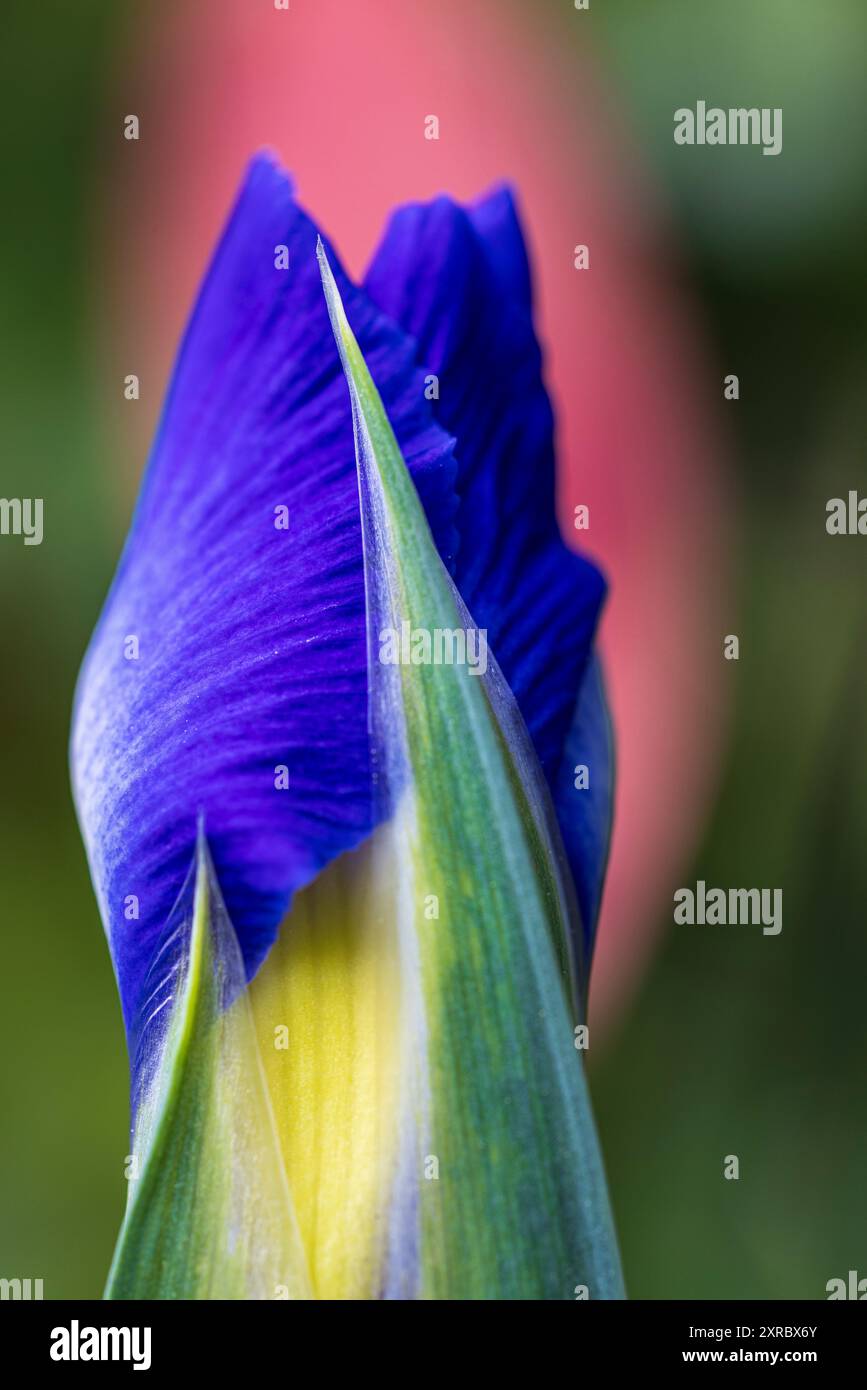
209	1215
502	1193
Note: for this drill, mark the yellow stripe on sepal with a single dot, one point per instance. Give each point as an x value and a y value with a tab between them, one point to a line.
330	1015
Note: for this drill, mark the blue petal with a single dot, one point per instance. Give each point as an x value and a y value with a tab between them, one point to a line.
457	279
251	648
585	814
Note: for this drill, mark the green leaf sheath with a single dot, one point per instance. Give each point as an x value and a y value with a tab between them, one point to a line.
209	1214
518	1207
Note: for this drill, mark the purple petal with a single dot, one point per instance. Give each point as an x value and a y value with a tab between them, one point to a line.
251	652
457	279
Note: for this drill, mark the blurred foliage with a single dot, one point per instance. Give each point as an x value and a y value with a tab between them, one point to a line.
737	1043
64	1079
759	216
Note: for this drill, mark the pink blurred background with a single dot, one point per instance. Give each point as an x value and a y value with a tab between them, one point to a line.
341	92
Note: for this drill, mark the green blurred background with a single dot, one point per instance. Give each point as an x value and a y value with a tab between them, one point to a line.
760	1052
